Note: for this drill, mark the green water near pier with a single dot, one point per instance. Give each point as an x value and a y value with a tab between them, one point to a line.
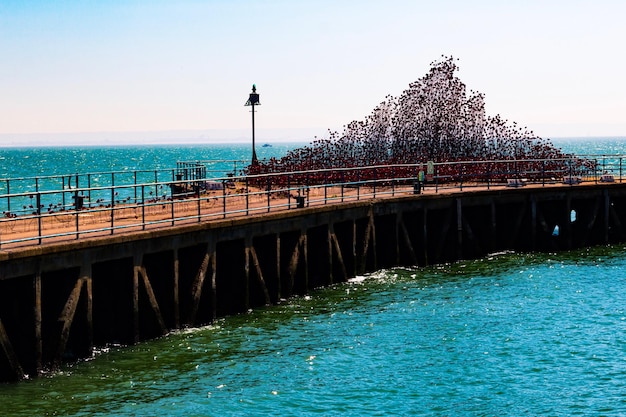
511	334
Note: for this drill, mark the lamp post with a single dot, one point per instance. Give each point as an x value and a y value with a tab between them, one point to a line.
253	100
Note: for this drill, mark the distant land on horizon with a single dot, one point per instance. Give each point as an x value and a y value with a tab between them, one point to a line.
168	137
190	137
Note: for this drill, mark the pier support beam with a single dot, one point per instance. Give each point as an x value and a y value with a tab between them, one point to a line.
209	259
250	253
335	243
139	270
9	352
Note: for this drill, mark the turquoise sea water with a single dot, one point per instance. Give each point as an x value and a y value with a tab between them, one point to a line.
511	334
32	162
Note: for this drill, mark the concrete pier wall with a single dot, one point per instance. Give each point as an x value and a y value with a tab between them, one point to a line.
59	301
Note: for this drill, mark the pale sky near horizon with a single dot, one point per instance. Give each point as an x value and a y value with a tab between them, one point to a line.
70	67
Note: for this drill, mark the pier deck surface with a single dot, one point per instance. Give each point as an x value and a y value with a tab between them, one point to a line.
23	233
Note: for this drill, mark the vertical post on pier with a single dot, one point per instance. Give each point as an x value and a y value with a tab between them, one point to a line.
253	100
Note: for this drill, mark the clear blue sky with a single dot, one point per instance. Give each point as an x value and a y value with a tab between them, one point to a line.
136	66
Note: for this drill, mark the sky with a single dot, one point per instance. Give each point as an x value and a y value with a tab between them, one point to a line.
96	71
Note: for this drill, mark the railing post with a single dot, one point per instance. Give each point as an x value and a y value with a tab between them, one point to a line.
375	180
143	206
173	206
198	199
325	187
156	182
460	177
570	172
288	191
343	183
76	209
89	188
268	189
224	199
9	196
308	184
543	173
112	202
135	187
38	201
247	196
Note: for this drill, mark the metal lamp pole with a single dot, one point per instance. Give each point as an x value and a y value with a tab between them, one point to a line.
253	100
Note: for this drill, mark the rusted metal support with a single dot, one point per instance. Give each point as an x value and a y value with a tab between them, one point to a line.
198	282
542	221
279	288
397	237
176	289
135	303
591	223
246	268
38	315
67	317
469	232
370	235
213	285
329	248
251	253
354	257
567	222
305	246
459	228
533	222
607	208
425	234
9	352
518	225
407	239
616	221
494	226
141	270
87	277
335	243
295	257
444	233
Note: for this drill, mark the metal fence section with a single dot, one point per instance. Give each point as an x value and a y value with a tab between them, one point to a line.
66	207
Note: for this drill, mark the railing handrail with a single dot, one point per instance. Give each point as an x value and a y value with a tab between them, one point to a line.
179	201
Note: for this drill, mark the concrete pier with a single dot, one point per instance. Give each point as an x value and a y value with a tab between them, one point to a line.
60	300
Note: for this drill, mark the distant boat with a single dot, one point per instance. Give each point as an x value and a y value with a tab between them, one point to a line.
267	145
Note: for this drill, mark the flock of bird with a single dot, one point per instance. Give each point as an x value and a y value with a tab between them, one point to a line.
435	119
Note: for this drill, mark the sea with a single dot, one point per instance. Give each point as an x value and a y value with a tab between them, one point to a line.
511	334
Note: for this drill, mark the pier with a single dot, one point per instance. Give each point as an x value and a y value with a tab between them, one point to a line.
137	270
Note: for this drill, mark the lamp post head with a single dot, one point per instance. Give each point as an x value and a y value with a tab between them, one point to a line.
253	100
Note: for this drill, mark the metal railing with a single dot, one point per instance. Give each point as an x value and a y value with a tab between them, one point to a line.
77	206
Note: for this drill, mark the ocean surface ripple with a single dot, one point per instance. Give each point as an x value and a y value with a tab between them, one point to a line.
512	334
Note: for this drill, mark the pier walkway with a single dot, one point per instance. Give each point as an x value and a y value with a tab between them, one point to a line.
125	208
